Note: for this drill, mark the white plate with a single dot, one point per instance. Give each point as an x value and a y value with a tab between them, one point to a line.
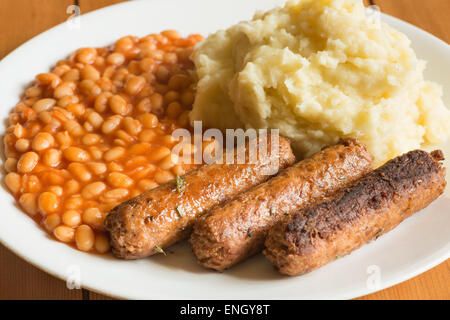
417	245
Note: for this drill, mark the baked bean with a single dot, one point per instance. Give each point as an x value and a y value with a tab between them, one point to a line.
102	243
148	120
147	135
136	161
73	127
77	109
168	140
11	164
116	59
31	183
87	55
13	181
118	105
57	190
71	218
140	148
22	145
71	187
144	105
97	168
96	131
170	58
119	180
56	177
52	221
163	176
114	167
101	101
146	184
178	170
162	74
179	81
33	92
187	98
120	142
174	109
90	139
157	101
123	135
158	154
132	126
171	96
64	234
183	119
84	238
64	102
95	119
168	162
42	141
124	45
93	190
28	201
18	131
48	202
43	104
71	75
63	139
73	203
63	90
48	79
80	171
76	154
114	154
142	171
115	195
171	34
52	157
134	85
90	73
96	153
111	124
27	162
93	217
89	87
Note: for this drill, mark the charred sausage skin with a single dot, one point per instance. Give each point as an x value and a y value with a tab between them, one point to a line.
362	212
237	229
163	216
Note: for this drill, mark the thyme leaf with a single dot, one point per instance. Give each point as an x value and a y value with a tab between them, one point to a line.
378	234
180	184
158	249
180	211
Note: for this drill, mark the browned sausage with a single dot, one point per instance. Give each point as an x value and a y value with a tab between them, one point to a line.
370	207
237	229
165	215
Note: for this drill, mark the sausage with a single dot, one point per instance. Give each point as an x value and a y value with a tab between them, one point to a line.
362	212
163	216
237	229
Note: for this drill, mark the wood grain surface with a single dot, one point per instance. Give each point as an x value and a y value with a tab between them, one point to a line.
20	20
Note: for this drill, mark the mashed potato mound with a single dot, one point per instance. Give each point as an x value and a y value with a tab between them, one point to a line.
320	70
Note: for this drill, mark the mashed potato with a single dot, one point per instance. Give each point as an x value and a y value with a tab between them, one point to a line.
320	70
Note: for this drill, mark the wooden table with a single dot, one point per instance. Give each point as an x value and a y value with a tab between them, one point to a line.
20	20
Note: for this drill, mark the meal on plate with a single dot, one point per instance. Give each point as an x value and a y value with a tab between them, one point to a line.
312	117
